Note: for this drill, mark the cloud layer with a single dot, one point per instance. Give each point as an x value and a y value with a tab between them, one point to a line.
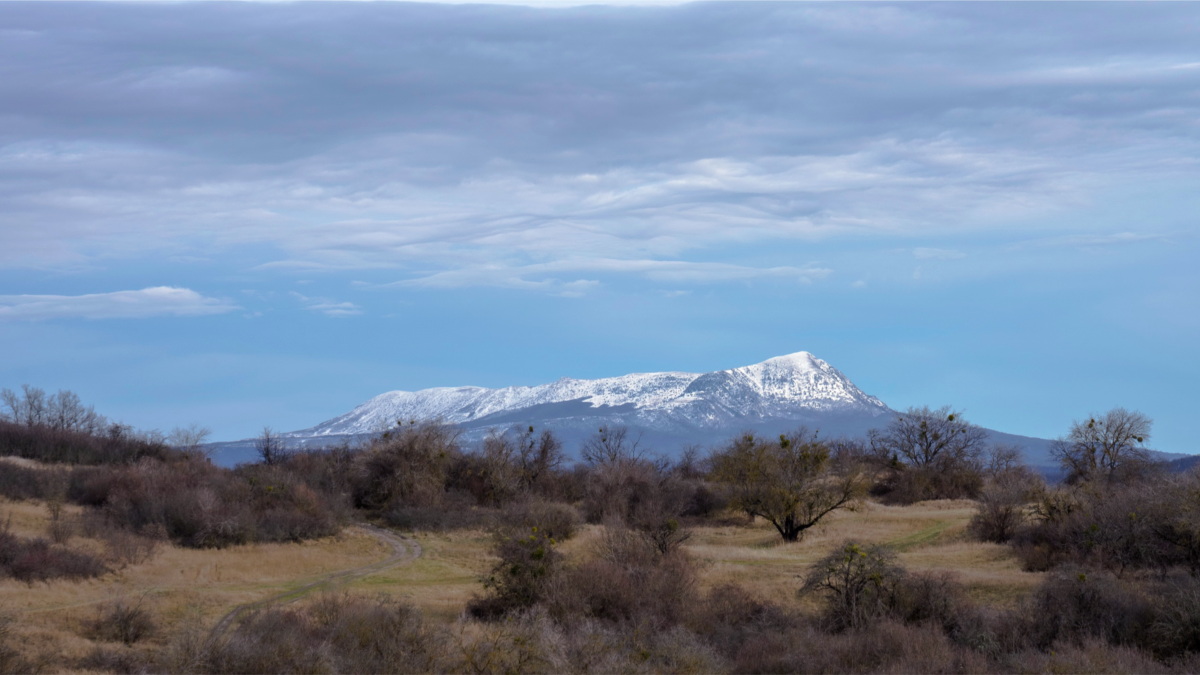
148	302
507	146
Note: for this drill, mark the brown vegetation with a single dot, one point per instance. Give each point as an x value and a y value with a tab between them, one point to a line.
623	563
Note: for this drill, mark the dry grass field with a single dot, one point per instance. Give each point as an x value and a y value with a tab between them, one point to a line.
199	586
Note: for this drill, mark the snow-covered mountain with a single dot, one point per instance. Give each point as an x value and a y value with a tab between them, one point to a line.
667	411
796	387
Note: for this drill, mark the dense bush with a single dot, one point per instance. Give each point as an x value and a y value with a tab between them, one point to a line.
200	505
405	466
792	482
527	567
116	445
627	581
1074	606
1121	528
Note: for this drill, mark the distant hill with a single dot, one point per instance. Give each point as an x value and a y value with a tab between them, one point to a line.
669	410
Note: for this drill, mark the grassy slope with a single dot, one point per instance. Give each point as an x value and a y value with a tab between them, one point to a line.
185	584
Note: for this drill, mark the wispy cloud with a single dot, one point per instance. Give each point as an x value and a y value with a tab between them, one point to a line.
937	254
148	302
451	138
1099	239
548	276
329	307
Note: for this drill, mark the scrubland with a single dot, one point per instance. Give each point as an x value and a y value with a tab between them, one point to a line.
412	553
185	587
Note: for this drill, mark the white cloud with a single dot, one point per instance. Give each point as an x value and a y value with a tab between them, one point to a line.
937	254
545	276
148	302
918	121
329	307
1092	240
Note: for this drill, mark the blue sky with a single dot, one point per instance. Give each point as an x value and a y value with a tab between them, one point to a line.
263	214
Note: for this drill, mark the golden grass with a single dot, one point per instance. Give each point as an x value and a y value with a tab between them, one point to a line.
930	536
443	579
203	585
176	582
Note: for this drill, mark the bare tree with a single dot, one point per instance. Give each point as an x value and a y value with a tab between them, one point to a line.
270	447
62	411
1108	447
612	445
788	482
66	412
924	437
29	409
190	439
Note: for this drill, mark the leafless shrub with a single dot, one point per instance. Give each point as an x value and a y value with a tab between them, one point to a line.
11	659
1004	505
884	646
930	597
32	560
201	505
1089	656
628	581
528	642
556	520
29	482
270	447
406	466
438	518
1175	630
337	633
108	660
858	582
1075	606
730	616
122	620
1117	527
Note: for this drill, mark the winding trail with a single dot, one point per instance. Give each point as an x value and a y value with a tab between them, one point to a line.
404	550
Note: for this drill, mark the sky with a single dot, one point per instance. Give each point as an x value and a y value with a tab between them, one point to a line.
260	214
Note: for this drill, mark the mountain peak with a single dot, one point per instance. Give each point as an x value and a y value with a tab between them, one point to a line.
794	357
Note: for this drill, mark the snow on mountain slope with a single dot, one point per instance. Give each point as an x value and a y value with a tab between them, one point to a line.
781	387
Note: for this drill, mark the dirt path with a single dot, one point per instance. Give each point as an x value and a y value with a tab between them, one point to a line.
403	551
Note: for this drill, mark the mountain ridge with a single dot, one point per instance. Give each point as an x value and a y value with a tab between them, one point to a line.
667	410
790	386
